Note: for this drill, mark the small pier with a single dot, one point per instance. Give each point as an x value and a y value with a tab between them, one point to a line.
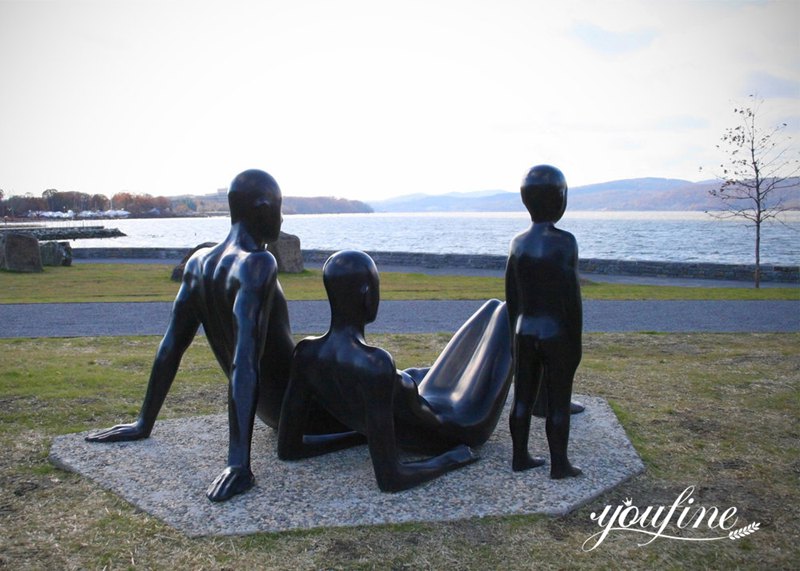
42	232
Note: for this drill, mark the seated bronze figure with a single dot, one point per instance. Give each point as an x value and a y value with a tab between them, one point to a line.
442	410
232	290
545	315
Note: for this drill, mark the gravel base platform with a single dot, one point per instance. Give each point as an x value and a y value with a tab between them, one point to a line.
167	474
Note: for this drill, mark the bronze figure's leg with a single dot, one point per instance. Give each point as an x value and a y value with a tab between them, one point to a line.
528	372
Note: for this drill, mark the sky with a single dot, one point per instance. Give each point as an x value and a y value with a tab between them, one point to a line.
369	99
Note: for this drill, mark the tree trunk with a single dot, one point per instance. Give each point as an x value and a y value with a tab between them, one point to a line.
758	255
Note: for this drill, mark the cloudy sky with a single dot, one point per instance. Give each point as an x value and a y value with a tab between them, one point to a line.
369	99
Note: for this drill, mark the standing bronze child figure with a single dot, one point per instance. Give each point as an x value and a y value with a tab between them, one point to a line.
544	309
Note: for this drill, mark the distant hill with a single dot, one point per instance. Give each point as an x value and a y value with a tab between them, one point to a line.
628	194
218	203
452	202
323	205
645	194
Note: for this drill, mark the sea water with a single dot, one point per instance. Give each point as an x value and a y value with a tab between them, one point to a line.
664	236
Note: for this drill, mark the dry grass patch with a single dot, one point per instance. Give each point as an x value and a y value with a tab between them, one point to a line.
716	411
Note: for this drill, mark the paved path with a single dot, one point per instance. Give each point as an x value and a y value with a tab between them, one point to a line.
311	317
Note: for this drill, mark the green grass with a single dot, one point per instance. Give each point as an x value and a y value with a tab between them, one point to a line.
150	282
717	411
640	292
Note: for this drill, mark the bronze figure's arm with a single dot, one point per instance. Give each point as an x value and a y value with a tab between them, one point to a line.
183	325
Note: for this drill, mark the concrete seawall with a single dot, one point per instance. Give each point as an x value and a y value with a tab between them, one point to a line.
695	270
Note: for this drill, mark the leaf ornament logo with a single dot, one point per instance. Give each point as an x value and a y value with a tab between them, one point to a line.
744	531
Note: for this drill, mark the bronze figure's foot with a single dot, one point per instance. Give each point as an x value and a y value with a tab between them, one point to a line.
119	433
567	471
232	481
526	463
460	456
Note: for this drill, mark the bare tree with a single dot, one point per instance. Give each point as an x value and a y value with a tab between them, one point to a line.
760	168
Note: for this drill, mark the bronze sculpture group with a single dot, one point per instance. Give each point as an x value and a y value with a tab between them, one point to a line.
336	391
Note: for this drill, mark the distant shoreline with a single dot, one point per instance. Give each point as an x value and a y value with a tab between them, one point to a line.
793	214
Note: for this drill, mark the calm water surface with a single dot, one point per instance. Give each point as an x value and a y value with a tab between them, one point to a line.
667	236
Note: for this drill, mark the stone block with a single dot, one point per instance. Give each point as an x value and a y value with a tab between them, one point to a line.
288	254
56	253
20	253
